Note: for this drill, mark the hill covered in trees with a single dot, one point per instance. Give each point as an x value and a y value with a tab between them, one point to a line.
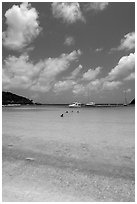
10	98
132	102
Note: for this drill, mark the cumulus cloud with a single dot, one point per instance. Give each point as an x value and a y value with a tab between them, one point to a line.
125	66
103	84
68	12
98	49
53	66
75	73
123	71
130	77
96	6
20	72
63	85
128	90
127	43
69	41
78	89
92	73
95	84
22	26
118	75
110	85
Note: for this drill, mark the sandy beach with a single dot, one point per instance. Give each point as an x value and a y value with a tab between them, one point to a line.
34	170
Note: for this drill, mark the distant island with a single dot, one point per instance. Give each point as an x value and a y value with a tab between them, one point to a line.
11	99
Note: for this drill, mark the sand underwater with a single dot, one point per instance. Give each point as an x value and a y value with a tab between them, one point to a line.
66	162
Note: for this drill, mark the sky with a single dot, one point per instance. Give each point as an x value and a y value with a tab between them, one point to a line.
64	52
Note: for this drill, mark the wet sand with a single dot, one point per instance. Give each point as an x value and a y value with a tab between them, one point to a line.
35	169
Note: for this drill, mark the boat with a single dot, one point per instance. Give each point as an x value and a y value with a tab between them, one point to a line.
75	105
90	104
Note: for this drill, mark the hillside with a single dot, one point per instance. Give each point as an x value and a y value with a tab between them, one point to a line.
132	102
10	98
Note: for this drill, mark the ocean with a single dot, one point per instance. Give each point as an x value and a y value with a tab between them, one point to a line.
113	125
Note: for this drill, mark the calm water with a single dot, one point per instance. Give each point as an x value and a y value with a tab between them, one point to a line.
114	126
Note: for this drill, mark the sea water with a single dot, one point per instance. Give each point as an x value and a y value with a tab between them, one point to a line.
113	125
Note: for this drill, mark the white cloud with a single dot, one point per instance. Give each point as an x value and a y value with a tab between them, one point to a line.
98	49
63	85
69	41
128	90
122	72
130	77
22	26
102	84
127	43
69	12
92	73
125	66
20	72
57	65
96	6
75	73
78	89
53	66
110	85
95	85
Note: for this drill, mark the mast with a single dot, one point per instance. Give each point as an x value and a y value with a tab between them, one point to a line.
125	95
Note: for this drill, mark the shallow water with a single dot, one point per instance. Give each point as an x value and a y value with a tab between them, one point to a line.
88	155
114	126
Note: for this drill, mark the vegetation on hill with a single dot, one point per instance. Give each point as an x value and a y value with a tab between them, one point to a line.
132	102
10	98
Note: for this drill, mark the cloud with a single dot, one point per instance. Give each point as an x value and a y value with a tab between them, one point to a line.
110	85
52	67
63	85
75	73
122	72
69	41
21	73
115	78
91	73
78	89
125	66
130	77
96	6
95	84
57	65
128	90
102	84
18	72
22	26
98	49
69	12
127	43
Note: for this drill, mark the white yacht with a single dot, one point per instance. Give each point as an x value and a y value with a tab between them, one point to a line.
90	104
75	105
